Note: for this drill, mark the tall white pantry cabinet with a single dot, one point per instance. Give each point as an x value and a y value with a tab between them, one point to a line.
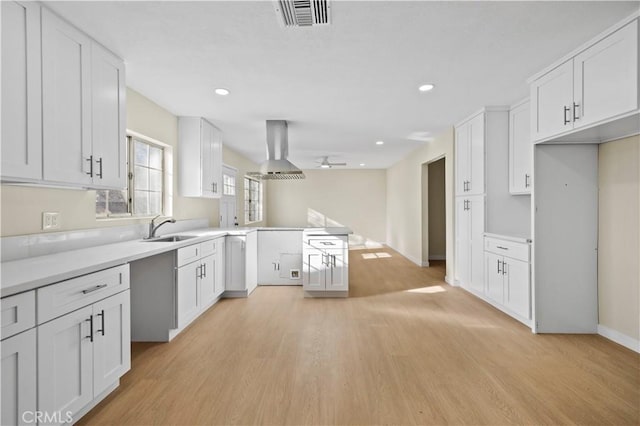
63	103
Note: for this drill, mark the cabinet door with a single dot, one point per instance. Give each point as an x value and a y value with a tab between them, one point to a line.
520	149
235	263
206	159
216	162
21	91
187	297
463	243
606	77
108	119
220	268
65	363
337	273
268	257
314	265
517	287
208	279
494	279
19	377
477	226
462	158
476	156
552	100
66	102
112	341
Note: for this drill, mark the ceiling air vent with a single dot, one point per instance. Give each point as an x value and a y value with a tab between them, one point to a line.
303	13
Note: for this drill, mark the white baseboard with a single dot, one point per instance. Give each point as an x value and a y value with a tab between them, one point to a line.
621	339
446	280
411	258
437	257
425	264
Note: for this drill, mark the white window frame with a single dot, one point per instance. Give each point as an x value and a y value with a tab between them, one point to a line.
258	205
167	180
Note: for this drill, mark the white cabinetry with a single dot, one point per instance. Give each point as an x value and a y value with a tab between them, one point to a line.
507	271
83	103
520	149
83	353
21	91
470	155
596	85
279	257
18	358
200	158
241	264
470	228
325	265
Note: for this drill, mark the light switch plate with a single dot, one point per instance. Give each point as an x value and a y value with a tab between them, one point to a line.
50	220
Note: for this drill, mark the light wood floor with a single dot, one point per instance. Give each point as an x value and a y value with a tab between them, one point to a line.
386	355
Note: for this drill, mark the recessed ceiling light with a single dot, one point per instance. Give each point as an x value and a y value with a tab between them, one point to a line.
380	143
222	92
361	164
426	87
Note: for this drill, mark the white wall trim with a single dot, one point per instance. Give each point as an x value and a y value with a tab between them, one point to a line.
437	257
411	258
621	339
425	264
446	280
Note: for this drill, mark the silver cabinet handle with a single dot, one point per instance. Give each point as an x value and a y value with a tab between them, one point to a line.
502	248
575	115
92	289
333	260
504	268
101	315
90	336
499	267
100	163
198	271
526	181
90	160
566	120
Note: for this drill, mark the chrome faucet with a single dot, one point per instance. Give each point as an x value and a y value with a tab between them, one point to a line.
153	227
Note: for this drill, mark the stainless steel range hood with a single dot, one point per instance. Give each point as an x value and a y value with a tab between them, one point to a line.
277	166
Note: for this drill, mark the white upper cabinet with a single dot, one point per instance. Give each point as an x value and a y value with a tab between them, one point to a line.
66	102
520	149
108	95
606	77
469	146
21	91
200	158
595	86
63	103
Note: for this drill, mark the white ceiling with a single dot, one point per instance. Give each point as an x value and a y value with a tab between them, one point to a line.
344	86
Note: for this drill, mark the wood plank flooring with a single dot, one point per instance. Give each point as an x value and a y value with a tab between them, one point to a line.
405	348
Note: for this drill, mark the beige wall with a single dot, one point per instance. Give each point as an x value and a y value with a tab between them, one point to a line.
619	236
22	207
244	165
352	198
436	211
404	199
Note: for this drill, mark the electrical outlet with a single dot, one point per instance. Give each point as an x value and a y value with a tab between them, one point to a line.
50	220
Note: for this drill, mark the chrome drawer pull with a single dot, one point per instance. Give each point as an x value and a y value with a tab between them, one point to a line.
502	248
327	243
91	290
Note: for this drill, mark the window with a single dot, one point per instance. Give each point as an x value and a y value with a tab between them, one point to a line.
252	200
228	185
148	165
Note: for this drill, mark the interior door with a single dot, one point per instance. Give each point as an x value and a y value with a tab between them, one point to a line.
112	340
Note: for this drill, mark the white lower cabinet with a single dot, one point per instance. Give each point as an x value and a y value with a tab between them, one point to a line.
241	261
507	276
325	265
187	298
470	228
19	378
81	354
279	257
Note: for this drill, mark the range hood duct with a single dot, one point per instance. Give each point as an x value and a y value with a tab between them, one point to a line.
277	166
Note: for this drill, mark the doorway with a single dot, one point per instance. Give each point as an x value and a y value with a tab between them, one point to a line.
228	215
434	229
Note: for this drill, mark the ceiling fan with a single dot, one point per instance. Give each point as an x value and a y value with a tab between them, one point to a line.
326	164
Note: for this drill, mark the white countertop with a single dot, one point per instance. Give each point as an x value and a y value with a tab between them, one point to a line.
331	230
33	272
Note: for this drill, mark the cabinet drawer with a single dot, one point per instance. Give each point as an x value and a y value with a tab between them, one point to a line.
18	313
327	242
188	254
209	247
506	248
58	299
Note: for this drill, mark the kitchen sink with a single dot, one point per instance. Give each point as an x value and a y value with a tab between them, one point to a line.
171	239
